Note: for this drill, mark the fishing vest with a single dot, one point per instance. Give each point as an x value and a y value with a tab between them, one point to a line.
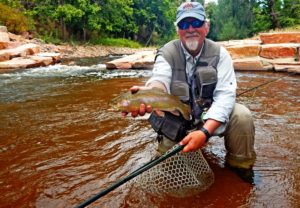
198	89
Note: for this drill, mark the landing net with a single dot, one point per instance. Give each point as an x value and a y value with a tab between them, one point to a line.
181	175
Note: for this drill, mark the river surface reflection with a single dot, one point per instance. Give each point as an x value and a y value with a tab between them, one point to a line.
59	145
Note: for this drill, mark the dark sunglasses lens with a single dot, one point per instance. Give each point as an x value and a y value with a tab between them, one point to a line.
183	25
197	23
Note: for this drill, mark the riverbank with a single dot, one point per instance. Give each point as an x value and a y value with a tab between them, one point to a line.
18	52
278	52
78	51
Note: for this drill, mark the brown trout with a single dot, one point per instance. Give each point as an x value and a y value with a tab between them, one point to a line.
156	98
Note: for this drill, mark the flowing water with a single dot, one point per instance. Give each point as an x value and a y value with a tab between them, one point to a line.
59	145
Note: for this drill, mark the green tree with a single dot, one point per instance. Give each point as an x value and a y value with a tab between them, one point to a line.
290	13
267	13
155	20
117	18
232	19
78	18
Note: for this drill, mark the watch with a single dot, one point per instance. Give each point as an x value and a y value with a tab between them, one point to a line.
207	134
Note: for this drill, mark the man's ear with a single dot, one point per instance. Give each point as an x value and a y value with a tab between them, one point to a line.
176	27
206	26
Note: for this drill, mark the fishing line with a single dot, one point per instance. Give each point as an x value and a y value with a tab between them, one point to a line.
265	83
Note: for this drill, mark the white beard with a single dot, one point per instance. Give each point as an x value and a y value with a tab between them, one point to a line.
192	45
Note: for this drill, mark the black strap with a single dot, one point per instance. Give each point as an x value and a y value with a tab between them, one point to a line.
207	134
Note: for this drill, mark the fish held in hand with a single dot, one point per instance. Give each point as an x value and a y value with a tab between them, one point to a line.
157	99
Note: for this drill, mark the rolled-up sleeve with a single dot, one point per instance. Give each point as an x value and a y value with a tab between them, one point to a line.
161	72
225	91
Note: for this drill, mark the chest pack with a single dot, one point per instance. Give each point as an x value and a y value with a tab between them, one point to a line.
196	90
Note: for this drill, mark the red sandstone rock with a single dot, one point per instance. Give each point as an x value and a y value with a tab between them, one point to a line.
38	60
3	45
144	63
3	28
242	51
23	50
289	68
280	37
42	61
18	63
4	56
230	43
251	64
282	61
55	56
4	37
127	62
294	70
272	51
8	45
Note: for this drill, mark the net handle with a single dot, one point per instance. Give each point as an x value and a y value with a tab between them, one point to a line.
147	166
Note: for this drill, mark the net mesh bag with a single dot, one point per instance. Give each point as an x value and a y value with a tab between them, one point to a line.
183	174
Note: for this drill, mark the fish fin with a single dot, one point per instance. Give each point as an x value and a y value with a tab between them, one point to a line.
176	112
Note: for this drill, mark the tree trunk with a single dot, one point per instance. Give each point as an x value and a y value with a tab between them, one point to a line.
274	14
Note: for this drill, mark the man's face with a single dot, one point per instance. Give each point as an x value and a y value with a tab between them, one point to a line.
192	33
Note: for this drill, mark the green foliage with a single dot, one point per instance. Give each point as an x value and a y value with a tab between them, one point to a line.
155	20
116	42
69	13
231	19
149	22
50	38
228	31
290	13
14	20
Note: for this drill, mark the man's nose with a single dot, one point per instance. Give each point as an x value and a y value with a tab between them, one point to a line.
190	29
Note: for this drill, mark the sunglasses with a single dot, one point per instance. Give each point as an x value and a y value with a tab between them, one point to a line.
184	25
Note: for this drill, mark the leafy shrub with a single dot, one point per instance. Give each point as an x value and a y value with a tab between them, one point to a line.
116	42
14	20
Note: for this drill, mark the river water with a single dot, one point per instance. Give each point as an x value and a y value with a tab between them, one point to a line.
59	145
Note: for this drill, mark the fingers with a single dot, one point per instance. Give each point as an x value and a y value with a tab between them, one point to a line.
193	141
134	89
124	114
142	109
191	146
134	114
185	140
140	112
148	109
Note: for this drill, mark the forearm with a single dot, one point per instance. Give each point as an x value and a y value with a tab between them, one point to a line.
157	84
211	125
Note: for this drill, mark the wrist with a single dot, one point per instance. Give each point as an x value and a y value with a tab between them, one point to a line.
206	132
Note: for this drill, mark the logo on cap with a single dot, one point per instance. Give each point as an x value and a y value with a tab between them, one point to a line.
188	6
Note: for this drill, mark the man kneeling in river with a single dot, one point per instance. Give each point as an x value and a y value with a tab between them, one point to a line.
201	73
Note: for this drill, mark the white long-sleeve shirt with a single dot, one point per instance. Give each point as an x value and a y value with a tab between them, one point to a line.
224	94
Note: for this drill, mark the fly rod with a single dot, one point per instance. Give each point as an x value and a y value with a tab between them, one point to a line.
135	173
265	83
